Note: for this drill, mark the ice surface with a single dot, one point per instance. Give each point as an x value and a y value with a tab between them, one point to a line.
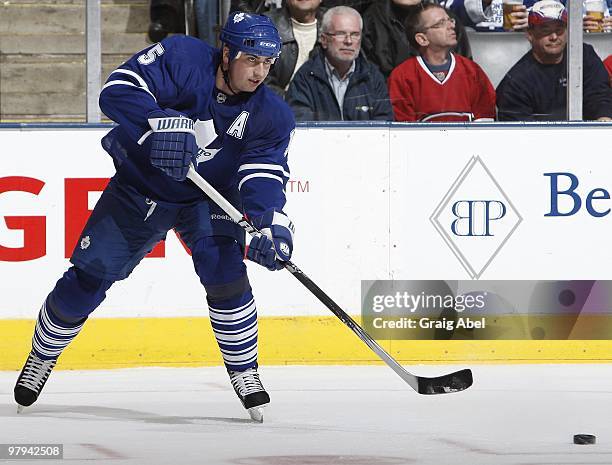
358	415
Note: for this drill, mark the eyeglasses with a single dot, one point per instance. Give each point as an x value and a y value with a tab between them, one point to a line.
344	35
440	24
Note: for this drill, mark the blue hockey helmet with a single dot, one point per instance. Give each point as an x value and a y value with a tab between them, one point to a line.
252	34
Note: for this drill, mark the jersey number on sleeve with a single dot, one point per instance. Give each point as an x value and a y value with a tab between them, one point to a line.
151	54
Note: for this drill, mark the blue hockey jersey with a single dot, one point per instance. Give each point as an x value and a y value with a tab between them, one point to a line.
243	139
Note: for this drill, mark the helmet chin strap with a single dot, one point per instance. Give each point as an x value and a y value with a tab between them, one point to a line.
226	77
227	81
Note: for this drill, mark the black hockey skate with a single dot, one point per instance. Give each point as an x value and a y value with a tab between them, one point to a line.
250	391
31	380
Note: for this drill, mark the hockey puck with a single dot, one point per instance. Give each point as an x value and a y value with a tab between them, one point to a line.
584	439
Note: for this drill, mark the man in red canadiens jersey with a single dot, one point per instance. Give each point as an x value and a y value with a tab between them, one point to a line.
438	85
608	64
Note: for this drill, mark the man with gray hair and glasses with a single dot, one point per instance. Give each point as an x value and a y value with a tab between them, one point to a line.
337	82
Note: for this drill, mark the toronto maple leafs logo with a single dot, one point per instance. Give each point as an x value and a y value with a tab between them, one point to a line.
205	135
85	242
284	248
238	17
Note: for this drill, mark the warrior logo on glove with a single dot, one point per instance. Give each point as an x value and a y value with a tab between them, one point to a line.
173	144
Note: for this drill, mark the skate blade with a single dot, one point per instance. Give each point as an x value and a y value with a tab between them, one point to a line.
20	408
257	414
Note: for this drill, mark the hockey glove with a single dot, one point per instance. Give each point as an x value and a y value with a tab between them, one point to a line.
173	143
275	245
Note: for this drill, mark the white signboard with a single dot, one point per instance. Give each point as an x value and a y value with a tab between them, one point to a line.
380	203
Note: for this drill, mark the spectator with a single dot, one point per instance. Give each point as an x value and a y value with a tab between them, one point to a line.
298	24
535	88
385	42
337	83
166	16
608	65
438	85
487	15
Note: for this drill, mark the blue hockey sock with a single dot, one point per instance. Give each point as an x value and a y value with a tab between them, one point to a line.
52	335
234	323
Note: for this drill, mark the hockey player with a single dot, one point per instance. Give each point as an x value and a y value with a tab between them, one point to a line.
181	103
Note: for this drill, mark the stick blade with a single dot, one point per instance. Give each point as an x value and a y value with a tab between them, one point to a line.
454	382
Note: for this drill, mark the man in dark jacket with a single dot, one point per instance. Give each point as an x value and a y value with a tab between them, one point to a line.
535	88
337	83
299	25
385	42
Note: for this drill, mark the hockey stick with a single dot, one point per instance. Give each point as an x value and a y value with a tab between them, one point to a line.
453	382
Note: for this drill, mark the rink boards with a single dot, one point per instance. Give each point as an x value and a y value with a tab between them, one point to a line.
369	202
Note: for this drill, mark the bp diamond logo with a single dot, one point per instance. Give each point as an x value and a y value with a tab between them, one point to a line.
475	218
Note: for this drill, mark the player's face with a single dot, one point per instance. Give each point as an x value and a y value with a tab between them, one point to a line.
548	41
438	28
247	72
343	40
